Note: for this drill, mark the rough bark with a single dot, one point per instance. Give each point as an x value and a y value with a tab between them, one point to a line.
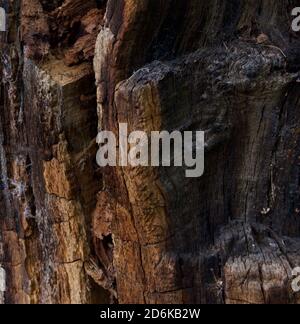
231	236
48	129
73	233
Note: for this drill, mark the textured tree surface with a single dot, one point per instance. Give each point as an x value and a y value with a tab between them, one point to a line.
71	232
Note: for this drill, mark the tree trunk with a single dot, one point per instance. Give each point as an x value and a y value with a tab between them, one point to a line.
72	232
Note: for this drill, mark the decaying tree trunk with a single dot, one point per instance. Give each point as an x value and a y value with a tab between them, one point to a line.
71	232
48	129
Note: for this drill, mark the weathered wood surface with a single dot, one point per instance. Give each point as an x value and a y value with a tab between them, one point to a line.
48	129
201	65
149	235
